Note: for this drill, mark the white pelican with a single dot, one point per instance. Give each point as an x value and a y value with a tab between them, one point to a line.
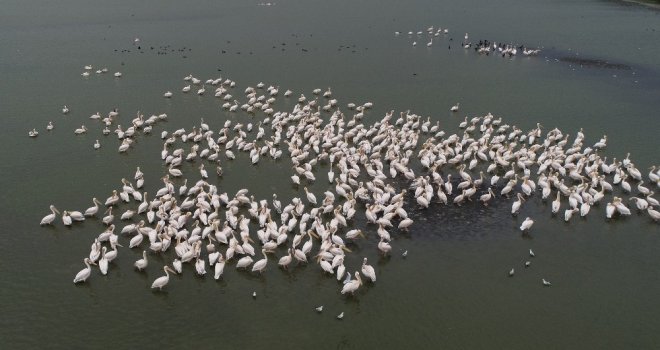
66	218
319	309
310	196
48	219
84	274
455	107
117	74
142	263
244	262
65	109
167	94
352	285
103	263
260	265
527	224
340	316
286	260
162	281
219	267
97	144
368	270
80	130
50	126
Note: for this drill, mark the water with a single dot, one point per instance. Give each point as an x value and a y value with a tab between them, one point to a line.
451	291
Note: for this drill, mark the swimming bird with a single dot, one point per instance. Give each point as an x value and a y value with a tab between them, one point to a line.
527	224
162	281
545	283
48	219
340	316
319	309
84	274
142	263
368	270
455	107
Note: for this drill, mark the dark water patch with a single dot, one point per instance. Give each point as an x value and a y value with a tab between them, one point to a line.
594	63
464	222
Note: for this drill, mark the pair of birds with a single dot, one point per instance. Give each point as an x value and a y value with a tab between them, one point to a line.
320	309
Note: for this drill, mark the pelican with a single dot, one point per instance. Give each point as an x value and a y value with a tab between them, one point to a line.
511	272
454	108
352	285
527	224
286	260
50	126
65	109
162	281
80	130
142	263
244	262
103	263
340	316
48	219
260	265
117	74
368	271
531	253
516	205
97	144
66	218
167	94
319	309
84	274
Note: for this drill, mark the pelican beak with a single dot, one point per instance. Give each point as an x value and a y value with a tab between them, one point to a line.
345	249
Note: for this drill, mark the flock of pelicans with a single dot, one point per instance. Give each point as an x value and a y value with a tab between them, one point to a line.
485	47
377	170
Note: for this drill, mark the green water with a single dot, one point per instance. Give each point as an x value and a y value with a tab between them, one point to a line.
450	292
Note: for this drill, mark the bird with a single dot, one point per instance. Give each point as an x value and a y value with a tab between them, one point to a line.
405	254
142	263
340	316
319	309
454	108
167	94
84	274
531	253
545	283
511	272
368	270
527	224
162	281
527	263
48	219
254	295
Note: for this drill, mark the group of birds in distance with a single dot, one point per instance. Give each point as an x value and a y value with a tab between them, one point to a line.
377	171
485	47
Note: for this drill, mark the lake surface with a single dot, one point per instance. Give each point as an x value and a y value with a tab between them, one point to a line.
451	291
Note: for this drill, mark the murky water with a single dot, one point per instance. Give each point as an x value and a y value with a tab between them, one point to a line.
451	291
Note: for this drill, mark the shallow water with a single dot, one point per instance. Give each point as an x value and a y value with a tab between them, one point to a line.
452	289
